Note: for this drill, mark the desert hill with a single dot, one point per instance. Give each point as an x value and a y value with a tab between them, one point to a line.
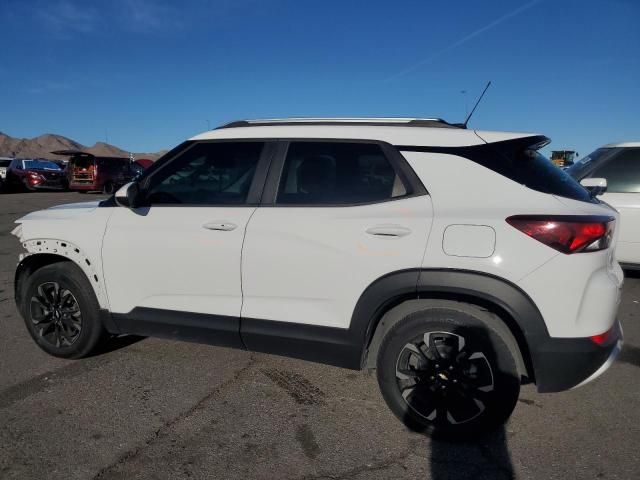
43	145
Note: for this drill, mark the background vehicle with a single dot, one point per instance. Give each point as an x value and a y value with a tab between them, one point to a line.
34	175
619	164
4	164
563	158
361	243
86	172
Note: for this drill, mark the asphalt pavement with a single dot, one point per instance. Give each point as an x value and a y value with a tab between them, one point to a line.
159	409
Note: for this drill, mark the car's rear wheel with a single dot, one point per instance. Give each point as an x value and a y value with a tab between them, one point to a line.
108	188
61	311
445	371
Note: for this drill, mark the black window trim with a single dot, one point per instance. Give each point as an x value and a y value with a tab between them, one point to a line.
257	183
410	180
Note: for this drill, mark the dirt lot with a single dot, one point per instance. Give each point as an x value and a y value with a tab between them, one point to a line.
160	409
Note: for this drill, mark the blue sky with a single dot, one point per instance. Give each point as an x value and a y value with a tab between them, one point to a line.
150	73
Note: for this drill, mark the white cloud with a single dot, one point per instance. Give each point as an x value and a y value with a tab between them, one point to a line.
463	40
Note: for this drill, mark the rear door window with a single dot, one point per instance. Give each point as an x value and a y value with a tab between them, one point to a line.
327	173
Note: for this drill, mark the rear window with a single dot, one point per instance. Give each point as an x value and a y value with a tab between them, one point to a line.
533	170
81	162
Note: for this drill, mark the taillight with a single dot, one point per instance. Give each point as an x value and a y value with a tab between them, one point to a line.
567	233
601	339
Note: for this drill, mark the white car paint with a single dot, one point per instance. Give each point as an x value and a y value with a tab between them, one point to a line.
62	230
628	204
169	258
542	272
309	265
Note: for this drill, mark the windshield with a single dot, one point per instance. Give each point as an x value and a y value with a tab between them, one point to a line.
580	169
40	165
4	163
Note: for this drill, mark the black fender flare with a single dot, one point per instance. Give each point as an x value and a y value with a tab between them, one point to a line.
506	299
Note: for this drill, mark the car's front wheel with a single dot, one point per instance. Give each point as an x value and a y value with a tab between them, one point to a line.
445	371
61	311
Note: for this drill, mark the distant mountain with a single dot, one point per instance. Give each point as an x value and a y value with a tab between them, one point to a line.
42	146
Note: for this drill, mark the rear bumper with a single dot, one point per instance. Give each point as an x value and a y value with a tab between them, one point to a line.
565	363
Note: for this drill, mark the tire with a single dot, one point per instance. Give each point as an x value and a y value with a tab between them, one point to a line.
70	329
108	188
446	372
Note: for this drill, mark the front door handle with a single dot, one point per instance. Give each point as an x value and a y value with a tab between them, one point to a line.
221	226
388	231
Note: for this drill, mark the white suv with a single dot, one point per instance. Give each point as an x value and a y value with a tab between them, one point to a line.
619	165
460	263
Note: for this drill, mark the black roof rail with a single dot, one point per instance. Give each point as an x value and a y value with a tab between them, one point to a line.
380	122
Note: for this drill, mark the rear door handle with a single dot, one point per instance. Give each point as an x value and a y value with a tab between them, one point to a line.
221	226
388	231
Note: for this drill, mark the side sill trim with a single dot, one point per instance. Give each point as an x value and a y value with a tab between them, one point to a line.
194	327
328	345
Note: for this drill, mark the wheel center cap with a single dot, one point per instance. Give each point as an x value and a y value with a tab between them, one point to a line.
443	376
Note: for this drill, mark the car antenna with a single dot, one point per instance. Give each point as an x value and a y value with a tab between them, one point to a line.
464	125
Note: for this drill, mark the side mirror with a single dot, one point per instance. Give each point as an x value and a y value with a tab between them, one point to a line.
128	195
595	186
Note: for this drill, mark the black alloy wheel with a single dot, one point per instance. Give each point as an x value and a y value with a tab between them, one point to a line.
56	314
61	311
448	370
443	381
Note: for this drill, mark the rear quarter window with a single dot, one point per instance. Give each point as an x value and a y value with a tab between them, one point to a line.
530	168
